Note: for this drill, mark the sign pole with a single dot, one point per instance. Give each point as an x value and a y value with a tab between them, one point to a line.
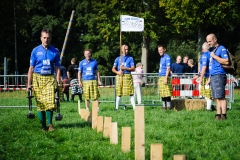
121	81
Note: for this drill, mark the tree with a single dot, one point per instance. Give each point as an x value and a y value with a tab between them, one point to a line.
220	17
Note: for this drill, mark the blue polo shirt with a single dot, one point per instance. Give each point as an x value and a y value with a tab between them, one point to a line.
204	61
44	60
165	61
214	66
88	69
178	68
127	61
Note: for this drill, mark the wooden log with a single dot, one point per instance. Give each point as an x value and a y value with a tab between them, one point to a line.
126	139
139	133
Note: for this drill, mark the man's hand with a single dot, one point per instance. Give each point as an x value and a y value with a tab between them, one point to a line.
212	54
99	83
165	80
120	72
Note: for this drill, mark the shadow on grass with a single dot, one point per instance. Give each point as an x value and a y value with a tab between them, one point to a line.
74	125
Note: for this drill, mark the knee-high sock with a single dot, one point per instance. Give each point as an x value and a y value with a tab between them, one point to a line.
132	99
117	101
42	117
164	104
49	116
169	104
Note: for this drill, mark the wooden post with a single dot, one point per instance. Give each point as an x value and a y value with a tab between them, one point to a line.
82	113
139	133
100	124
126	139
107	126
114	133
179	157
94	114
79	107
88	116
156	152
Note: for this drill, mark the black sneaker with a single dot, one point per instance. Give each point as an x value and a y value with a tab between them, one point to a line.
116	110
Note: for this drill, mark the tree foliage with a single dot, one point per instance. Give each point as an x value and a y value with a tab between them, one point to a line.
96	25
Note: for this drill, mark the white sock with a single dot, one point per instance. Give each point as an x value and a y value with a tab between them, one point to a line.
169	104
117	101
132	101
164	104
209	104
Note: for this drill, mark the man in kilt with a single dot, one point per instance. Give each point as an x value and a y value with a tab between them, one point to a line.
164	80
72	74
205	90
89	78
122	67
44	58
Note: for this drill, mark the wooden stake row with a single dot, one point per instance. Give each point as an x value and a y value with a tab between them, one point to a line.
110	130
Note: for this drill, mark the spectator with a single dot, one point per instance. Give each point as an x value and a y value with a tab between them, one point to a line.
218	76
44	58
185	62
205	90
178	67
137	80
192	67
65	81
89	78
122	67
72	74
164	80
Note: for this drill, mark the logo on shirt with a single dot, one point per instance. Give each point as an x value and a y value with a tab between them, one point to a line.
39	53
46	62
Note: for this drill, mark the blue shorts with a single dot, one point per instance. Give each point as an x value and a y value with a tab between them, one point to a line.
218	83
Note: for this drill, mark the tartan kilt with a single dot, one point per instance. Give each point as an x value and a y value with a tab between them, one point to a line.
205	92
44	91
74	86
126	89
90	90
165	90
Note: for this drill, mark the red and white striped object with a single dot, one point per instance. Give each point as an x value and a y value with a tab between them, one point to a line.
184	87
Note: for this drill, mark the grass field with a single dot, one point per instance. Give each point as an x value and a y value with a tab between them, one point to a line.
193	133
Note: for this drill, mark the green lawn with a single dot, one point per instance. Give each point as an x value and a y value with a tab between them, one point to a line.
193	133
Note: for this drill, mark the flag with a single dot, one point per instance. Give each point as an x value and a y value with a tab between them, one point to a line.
131	24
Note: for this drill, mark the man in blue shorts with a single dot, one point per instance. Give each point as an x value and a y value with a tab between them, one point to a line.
122	67
44	58
218	75
89	78
164	80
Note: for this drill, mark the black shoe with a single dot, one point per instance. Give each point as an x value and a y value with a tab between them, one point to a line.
116	110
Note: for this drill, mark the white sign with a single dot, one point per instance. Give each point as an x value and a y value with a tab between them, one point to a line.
131	24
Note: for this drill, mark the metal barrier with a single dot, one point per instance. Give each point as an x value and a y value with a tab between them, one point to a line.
13	90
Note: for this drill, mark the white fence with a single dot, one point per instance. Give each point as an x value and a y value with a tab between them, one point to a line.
13	90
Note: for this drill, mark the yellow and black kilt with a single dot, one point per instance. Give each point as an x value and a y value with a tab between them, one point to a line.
165	90
126	89
205	92
90	90
43	89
